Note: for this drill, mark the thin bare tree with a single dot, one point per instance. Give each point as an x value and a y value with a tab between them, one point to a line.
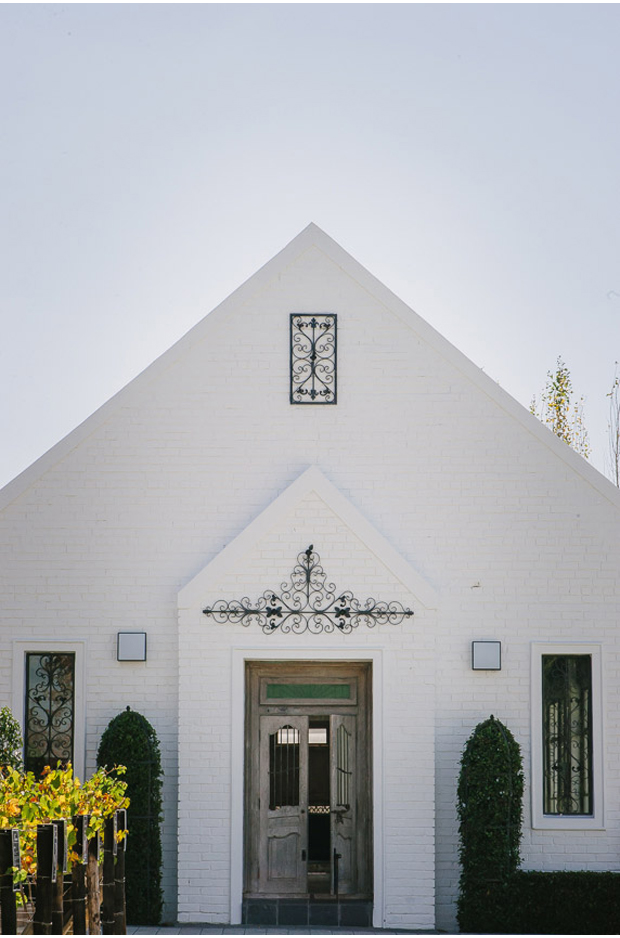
613	428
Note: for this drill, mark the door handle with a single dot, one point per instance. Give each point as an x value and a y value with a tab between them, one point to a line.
303	856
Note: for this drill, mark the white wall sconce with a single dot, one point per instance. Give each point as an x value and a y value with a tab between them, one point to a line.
486	656
131	646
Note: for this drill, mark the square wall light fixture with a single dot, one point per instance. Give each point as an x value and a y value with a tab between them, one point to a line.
486	656
131	646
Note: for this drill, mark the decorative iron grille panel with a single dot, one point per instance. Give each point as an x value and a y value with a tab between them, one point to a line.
313	358
343	772
567	734
284	768
50	688
308	603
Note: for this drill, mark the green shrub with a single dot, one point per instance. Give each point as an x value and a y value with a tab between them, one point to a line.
489	805
554	903
565	903
130	740
495	897
11	743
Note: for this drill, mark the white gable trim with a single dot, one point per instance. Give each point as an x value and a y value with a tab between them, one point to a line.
312	480
305	240
312	237
467	368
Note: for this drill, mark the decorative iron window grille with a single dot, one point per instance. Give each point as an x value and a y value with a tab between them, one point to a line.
567	734
308	603
313	358
50	693
343	772
284	768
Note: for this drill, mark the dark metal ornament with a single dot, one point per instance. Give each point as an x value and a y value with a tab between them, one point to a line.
313	358
49	709
308	604
567	735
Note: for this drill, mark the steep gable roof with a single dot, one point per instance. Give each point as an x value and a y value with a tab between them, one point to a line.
312	481
312	237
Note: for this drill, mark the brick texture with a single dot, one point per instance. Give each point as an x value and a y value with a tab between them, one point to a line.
518	543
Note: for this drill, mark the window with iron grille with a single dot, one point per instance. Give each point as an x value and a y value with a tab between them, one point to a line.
313	358
284	768
567	735
50	710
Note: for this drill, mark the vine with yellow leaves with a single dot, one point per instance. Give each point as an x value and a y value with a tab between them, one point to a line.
27	801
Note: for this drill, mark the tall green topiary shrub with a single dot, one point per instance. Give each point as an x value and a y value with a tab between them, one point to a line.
11	743
130	740
490	793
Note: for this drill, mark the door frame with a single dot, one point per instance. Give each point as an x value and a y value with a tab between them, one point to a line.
258	819
240	656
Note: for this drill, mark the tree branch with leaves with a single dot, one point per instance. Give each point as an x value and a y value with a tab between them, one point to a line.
560	412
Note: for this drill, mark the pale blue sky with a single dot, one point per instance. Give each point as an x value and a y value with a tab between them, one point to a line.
154	156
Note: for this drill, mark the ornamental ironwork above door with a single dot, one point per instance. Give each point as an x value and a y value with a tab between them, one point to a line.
309	604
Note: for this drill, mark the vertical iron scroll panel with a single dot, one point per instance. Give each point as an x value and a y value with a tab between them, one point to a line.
313	358
50	710
567	734
284	768
343	772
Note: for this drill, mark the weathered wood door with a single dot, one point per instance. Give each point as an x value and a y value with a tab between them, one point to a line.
283	824
343	797
308	817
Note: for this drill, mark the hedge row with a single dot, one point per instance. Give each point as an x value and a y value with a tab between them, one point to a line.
541	903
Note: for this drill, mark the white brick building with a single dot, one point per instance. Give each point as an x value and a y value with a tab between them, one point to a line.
203	484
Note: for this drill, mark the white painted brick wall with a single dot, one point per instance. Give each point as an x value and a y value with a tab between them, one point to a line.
519	547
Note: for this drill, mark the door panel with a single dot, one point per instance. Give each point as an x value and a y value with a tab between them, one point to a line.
343	802
283	828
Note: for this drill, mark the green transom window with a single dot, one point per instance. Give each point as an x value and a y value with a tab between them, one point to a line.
308	691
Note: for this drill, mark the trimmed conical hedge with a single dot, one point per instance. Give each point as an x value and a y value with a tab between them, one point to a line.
490	794
130	740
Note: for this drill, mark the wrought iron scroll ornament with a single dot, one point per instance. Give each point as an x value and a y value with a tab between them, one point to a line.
313	358
308	604
49	709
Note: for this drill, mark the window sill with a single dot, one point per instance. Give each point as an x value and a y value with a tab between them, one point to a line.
568	822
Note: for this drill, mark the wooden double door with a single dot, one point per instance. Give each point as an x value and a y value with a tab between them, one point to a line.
308	825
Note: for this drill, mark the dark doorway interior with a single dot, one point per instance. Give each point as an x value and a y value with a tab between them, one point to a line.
319	833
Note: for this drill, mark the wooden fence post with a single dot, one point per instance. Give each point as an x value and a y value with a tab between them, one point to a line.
78	875
120	915
92	882
58	903
46	863
109	856
8	907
